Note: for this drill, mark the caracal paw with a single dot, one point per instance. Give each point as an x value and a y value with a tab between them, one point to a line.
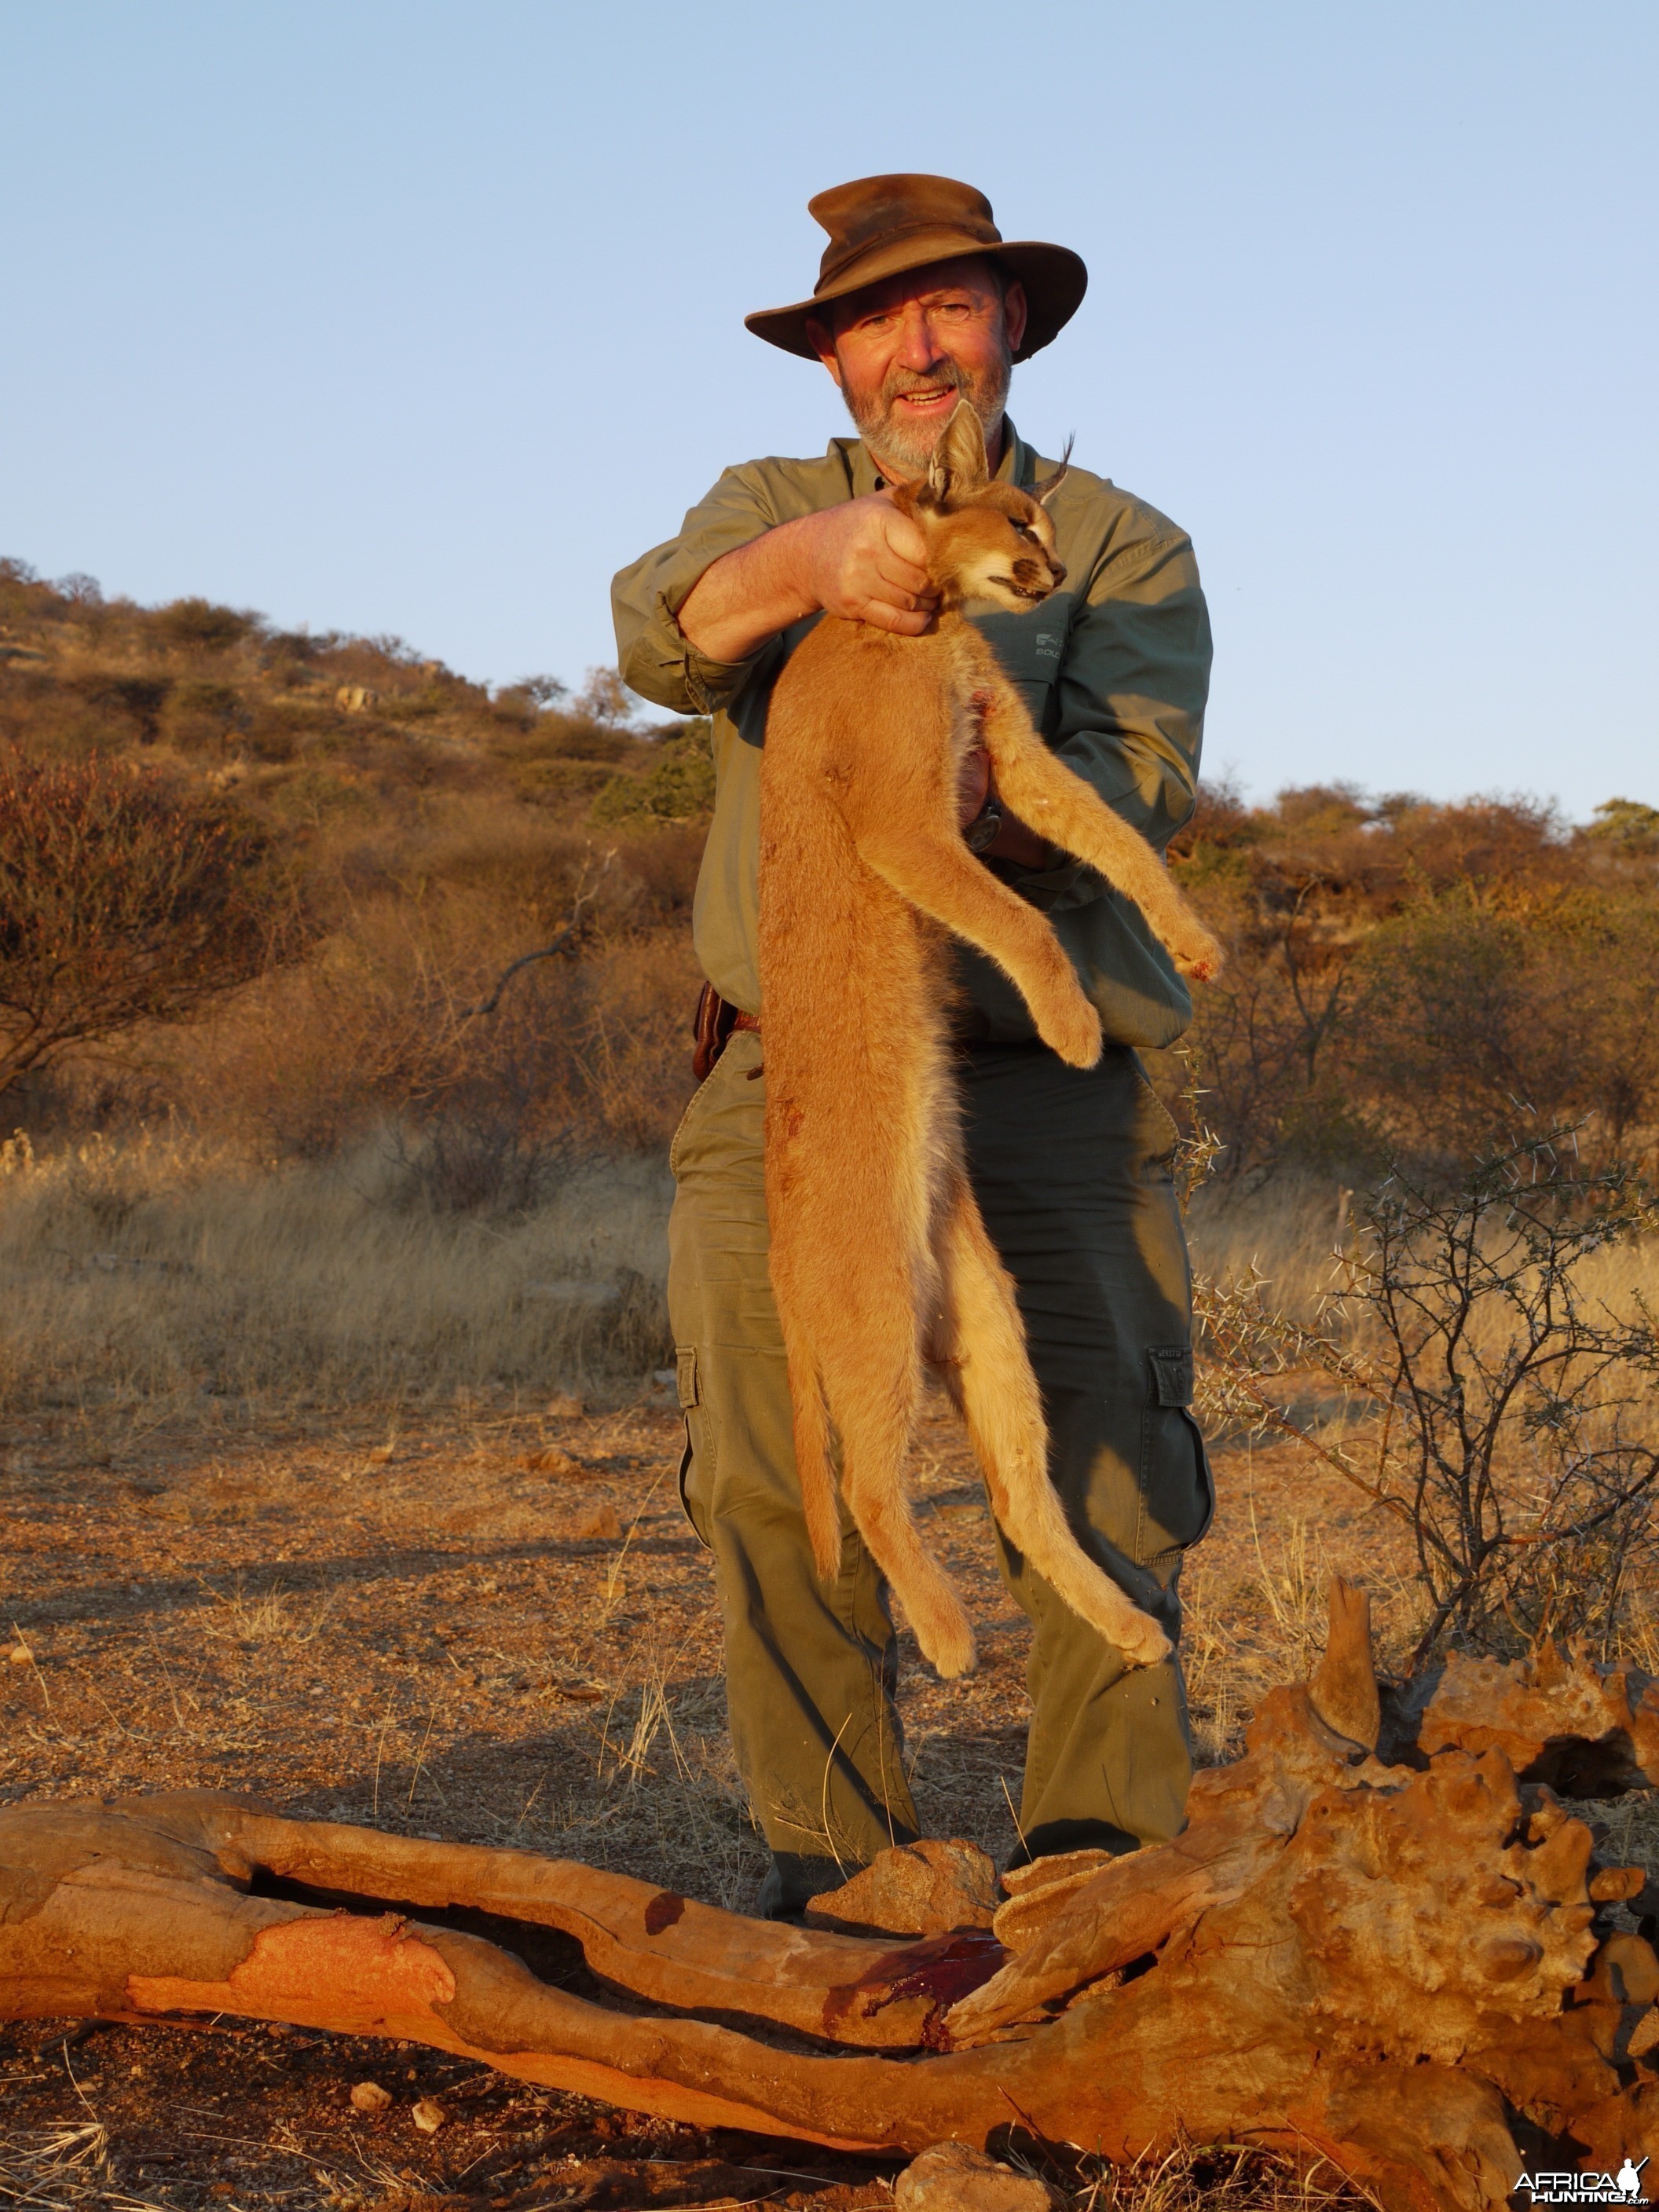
1197	954
948	1648
1072	1029
1143	1643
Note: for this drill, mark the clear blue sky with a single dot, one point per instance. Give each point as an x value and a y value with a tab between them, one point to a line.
425	317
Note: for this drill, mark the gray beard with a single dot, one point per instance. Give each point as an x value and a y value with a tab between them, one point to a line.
901	452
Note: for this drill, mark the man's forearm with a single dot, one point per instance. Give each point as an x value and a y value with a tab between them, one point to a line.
749	595
861	560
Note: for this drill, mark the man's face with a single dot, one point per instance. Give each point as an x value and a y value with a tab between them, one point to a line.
905	350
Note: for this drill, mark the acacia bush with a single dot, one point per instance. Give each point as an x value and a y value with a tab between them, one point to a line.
1404	978
121	900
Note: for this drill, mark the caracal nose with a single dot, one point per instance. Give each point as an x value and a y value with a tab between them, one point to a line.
1057	570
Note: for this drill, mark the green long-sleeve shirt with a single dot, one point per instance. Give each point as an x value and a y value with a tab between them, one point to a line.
1114	669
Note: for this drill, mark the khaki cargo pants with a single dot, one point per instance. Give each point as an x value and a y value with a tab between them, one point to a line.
1072	1172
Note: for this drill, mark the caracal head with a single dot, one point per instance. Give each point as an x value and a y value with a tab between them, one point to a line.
985	540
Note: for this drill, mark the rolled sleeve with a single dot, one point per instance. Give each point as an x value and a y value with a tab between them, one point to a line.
1131	695
655	657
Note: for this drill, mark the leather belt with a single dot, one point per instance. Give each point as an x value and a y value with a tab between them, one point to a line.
716	1023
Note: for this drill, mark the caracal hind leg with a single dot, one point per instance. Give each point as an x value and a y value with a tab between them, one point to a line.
991	1379
869	1360
873	1472
1055	800
939	875
819	1504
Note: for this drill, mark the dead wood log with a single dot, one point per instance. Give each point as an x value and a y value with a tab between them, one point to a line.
1586	1729
1392	1967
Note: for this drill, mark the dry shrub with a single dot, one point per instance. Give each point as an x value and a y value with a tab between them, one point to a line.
591	1048
1512	1401
588	1046
1403	975
122	900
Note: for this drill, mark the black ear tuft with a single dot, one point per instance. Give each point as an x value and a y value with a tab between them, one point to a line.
1044	492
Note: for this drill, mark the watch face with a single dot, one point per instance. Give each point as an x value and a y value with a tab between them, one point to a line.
982	831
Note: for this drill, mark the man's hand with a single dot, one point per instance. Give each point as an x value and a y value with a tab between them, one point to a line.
868	562
862	560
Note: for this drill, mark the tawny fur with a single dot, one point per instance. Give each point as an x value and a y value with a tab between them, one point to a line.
880	1261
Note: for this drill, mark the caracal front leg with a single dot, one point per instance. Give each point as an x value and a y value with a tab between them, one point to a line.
941	876
1055	800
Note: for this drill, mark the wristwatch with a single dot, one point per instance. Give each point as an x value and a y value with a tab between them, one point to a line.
986	827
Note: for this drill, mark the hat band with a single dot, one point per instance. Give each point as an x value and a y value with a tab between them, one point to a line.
954	239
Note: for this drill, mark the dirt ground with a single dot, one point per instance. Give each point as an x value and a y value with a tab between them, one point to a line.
496	1626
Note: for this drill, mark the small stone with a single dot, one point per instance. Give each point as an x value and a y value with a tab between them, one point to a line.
20	1656
429	2116
562	1465
602	1523
370	2096
952	2178
927	1888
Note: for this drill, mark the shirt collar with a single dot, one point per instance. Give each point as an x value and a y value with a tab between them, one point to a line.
1017	466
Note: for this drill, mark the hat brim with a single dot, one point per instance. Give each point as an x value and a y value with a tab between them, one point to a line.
1054	279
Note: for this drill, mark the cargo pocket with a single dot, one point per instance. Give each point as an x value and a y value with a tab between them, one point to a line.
697	1445
1177	1491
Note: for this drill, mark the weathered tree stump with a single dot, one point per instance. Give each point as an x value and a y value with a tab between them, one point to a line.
1409	1969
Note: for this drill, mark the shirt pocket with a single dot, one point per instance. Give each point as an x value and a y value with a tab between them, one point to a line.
1031	648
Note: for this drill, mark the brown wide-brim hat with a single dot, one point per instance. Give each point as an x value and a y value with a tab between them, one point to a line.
879	226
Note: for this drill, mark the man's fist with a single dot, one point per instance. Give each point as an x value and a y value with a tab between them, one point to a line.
864	562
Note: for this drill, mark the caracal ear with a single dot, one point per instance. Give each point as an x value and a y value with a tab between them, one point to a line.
957	468
1044	492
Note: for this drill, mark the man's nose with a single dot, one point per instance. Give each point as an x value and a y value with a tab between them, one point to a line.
916	348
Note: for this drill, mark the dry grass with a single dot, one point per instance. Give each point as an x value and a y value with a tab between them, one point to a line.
1291	1230
399	1619
1295	1229
161	1272
395	1579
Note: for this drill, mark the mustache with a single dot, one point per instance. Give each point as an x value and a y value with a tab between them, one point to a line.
900	380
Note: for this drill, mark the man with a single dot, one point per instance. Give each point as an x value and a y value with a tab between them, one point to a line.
920	301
